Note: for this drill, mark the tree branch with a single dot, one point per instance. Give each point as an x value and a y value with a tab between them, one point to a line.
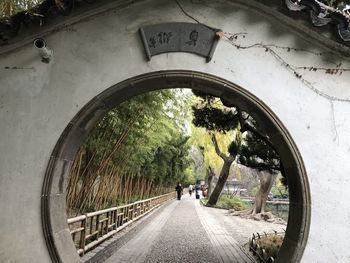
217	149
245	126
264	167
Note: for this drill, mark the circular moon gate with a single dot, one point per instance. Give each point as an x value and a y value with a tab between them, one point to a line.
53	204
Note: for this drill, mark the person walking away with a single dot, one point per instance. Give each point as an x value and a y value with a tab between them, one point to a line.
190	189
197	192
178	190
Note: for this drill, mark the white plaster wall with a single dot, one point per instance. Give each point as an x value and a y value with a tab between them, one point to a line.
38	100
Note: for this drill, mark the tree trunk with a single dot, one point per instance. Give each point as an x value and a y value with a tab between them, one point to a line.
211	175
225	171
266	182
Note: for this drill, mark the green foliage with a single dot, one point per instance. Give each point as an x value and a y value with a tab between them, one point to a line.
235	146
138	149
11	7
190	174
214	119
336	3
255	153
169	162
254	190
279	190
141	137
210	113
201	139
211	117
231	202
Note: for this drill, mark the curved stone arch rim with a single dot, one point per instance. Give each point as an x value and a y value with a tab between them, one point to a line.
53	210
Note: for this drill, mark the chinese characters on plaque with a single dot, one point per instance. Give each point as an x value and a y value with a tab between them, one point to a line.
179	37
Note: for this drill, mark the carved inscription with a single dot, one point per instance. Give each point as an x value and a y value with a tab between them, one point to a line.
179	37
160	38
193	38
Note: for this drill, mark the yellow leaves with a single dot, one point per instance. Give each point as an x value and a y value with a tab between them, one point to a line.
11	7
7	7
201	139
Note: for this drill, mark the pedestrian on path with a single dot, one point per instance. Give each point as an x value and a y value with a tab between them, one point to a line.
190	189
178	190
197	192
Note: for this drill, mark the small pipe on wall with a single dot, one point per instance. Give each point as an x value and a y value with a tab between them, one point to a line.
44	51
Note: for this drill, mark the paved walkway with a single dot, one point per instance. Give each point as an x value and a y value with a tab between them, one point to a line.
184	231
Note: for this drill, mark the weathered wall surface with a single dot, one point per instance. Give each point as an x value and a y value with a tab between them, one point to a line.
38	100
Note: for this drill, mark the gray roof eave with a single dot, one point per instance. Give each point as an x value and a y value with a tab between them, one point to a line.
16	34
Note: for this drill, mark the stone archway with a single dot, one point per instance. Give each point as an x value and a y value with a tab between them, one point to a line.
53	202
95	49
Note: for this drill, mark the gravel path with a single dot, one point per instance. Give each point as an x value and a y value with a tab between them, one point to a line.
136	248
185	231
242	229
183	238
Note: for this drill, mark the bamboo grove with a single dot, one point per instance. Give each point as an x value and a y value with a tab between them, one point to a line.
138	150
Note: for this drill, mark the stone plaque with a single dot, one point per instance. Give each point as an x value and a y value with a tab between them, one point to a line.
179	37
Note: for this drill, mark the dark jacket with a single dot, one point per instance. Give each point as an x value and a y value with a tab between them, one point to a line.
178	188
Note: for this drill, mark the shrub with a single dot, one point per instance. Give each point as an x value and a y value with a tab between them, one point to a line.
271	244
254	190
231	202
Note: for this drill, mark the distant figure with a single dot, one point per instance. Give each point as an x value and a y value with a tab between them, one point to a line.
178	190
190	189
197	192
205	191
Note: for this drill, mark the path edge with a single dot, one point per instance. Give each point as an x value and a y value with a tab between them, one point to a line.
106	249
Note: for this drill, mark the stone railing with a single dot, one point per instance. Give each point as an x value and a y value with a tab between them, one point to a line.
91	229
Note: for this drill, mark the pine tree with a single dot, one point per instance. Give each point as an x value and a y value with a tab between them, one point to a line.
255	151
257	154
